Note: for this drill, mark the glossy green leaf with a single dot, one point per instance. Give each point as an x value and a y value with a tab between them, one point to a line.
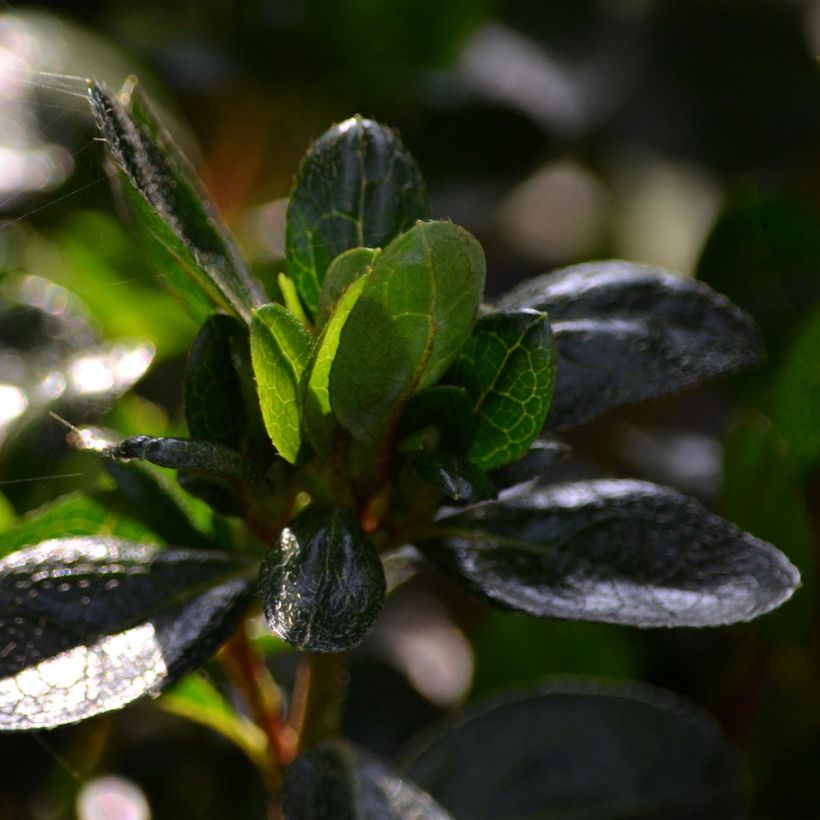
280	350
335	781
580	750
186	454
416	311
625	332
322	583
102	512
173	201
508	368
214	406
90	624
357	187
456	477
617	551
318	415
344	270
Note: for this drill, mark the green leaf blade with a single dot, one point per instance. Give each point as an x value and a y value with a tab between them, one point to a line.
626	332
280	350
93	623
508	368
358	186
172	201
344	270
414	314
322	584
617	551
580	749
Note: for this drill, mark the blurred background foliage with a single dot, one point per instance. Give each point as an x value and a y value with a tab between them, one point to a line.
685	135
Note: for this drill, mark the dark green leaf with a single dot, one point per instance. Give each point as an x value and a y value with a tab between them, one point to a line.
445	408
322	584
318	416
335	781
456	477
617	551
534	465
344	270
416	311
102	512
358	186
625	333
508	370
280	348
214	407
90	624
185	454
581	750
172	200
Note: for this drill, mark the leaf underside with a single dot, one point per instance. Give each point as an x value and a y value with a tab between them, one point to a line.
625	333
617	551
89	624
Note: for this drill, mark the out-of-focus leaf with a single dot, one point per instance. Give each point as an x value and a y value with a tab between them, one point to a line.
617	551
335	781
195	698
507	367
796	393
357	187
214	407
102	512
322	583
172	200
580	750
186	454
344	270
534	464
280	348
90	624
625	332
318	416
456	477
414	314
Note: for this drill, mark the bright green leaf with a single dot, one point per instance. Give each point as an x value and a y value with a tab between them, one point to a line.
508	369
280	349
345	269
357	187
416	311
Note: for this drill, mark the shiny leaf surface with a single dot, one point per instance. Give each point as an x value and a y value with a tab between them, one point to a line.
414	314
322	583
334	781
618	551
456	477
625	333
178	211
280	350
357	187
507	367
90	624
344	270
581	750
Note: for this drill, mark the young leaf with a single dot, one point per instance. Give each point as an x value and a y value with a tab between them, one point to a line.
414	314
318	416
507	368
456	477
322	584
185	454
344	270
214	408
334	781
90	624
618	551
358	186
625	333
280	349
172	201
579	749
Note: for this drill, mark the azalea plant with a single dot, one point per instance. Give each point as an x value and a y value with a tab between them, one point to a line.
372	414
